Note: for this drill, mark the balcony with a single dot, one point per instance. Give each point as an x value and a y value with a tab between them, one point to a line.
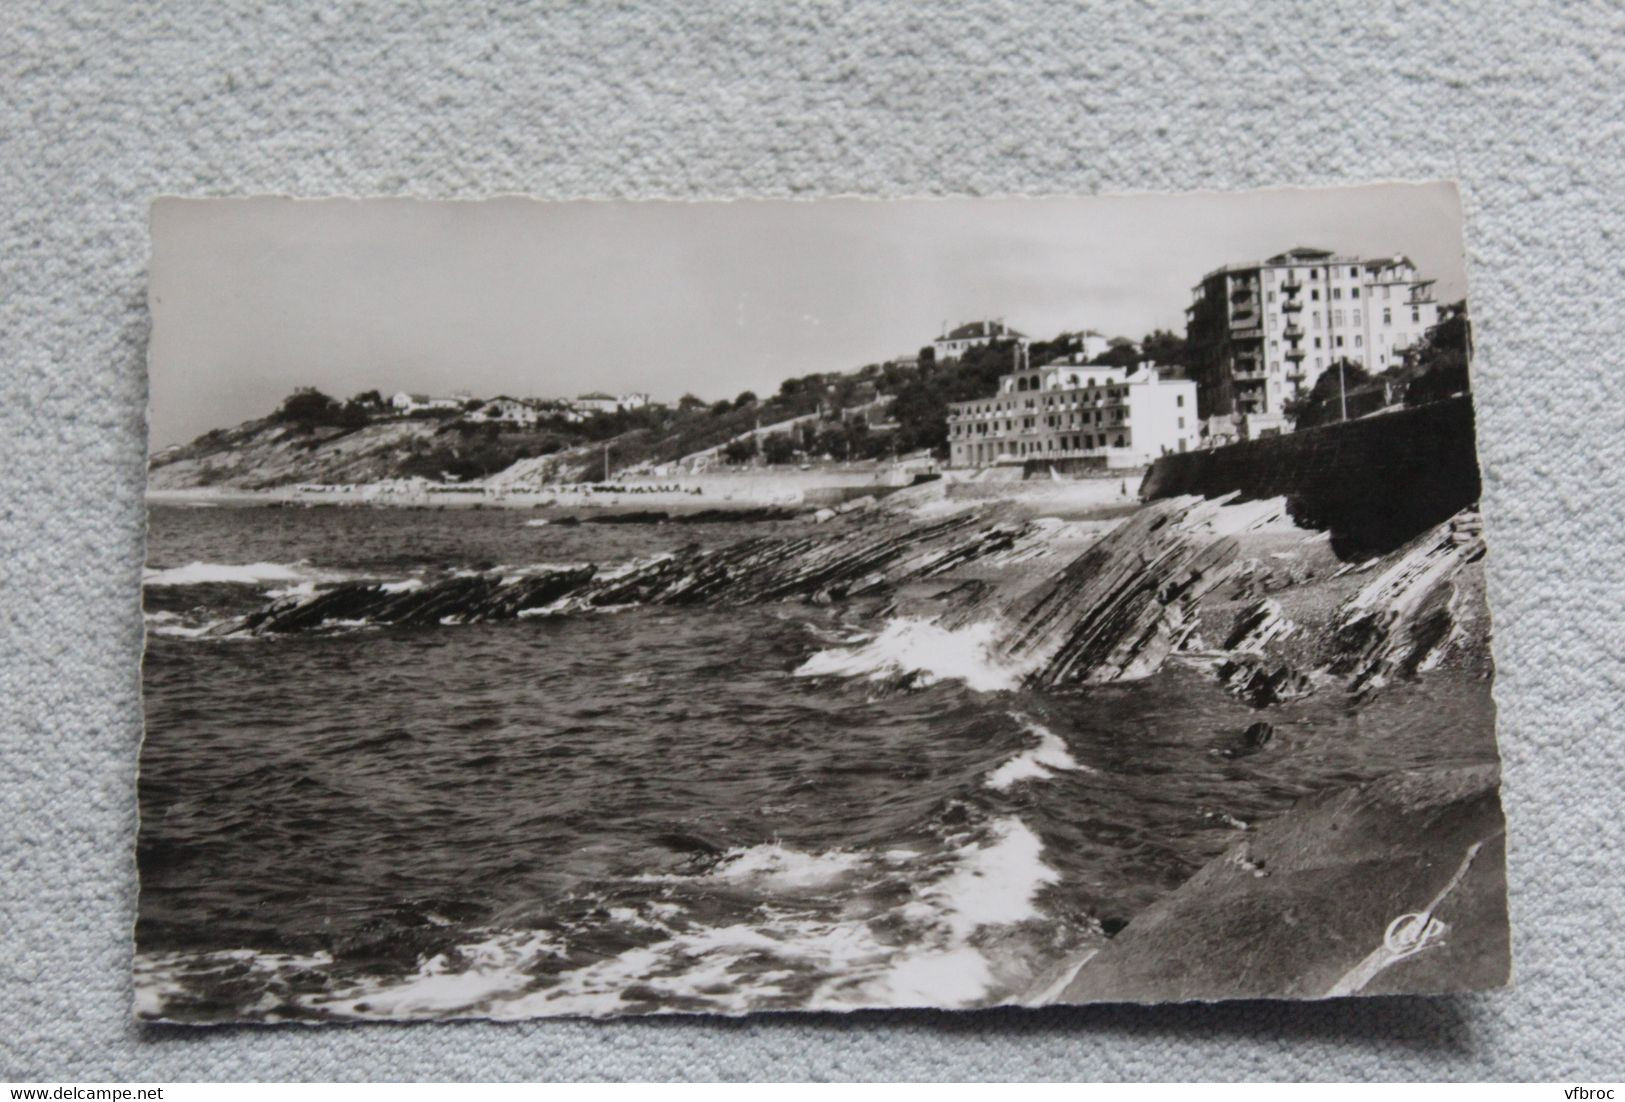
1250	333
1295	354
1291	306
1241	294
1292	286
1293	332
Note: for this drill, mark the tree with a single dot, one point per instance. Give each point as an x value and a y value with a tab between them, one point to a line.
779	448
689	402
368	398
1324	402
1164	348
742	450
1438	365
355	413
832	441
1120	352
308	407
746	398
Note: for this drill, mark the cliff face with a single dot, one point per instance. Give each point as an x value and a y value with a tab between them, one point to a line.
262	454
265	454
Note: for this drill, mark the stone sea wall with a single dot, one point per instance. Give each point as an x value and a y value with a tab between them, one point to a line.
1374	482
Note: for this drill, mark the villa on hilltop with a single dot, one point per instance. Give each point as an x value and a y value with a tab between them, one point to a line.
954	343
598	402
509	411
412	403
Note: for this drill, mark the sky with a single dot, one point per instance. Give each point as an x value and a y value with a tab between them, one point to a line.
253	298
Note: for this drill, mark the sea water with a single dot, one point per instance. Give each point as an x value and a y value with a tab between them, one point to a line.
716	809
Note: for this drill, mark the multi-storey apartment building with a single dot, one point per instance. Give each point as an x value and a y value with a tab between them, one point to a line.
1260	333
1121	417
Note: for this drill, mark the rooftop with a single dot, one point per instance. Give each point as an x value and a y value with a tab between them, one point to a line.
980	329
1303	254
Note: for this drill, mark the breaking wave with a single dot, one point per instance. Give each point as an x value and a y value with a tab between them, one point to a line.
176	626
956	939
925	653
207	573
1049	756
775	867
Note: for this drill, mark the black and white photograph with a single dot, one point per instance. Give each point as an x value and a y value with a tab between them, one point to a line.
606	608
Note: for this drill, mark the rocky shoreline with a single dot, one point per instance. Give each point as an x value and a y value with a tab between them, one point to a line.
1397	886
1394	884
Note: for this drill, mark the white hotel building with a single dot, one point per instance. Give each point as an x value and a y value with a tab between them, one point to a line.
1113	415
1260	333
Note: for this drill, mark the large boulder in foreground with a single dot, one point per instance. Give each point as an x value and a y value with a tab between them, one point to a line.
1394	886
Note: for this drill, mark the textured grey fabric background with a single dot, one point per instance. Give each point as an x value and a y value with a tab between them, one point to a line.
106	105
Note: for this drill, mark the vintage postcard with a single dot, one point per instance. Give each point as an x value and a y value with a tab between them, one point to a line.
604	608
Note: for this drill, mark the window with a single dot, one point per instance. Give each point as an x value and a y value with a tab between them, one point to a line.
1314	318
1271	297
1181	422
1387	316
1337	292
1359	341
1337	317
1416	315
1354	292
1355	272
1314	273
1356	317
1315	295
1340	342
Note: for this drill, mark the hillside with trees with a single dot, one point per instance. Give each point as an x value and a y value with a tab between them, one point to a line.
878	411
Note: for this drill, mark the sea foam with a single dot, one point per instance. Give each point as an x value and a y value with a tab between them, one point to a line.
775	867
928	651
1038	762
206	573
931	950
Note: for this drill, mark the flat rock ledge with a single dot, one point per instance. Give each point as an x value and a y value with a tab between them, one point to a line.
1393	886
